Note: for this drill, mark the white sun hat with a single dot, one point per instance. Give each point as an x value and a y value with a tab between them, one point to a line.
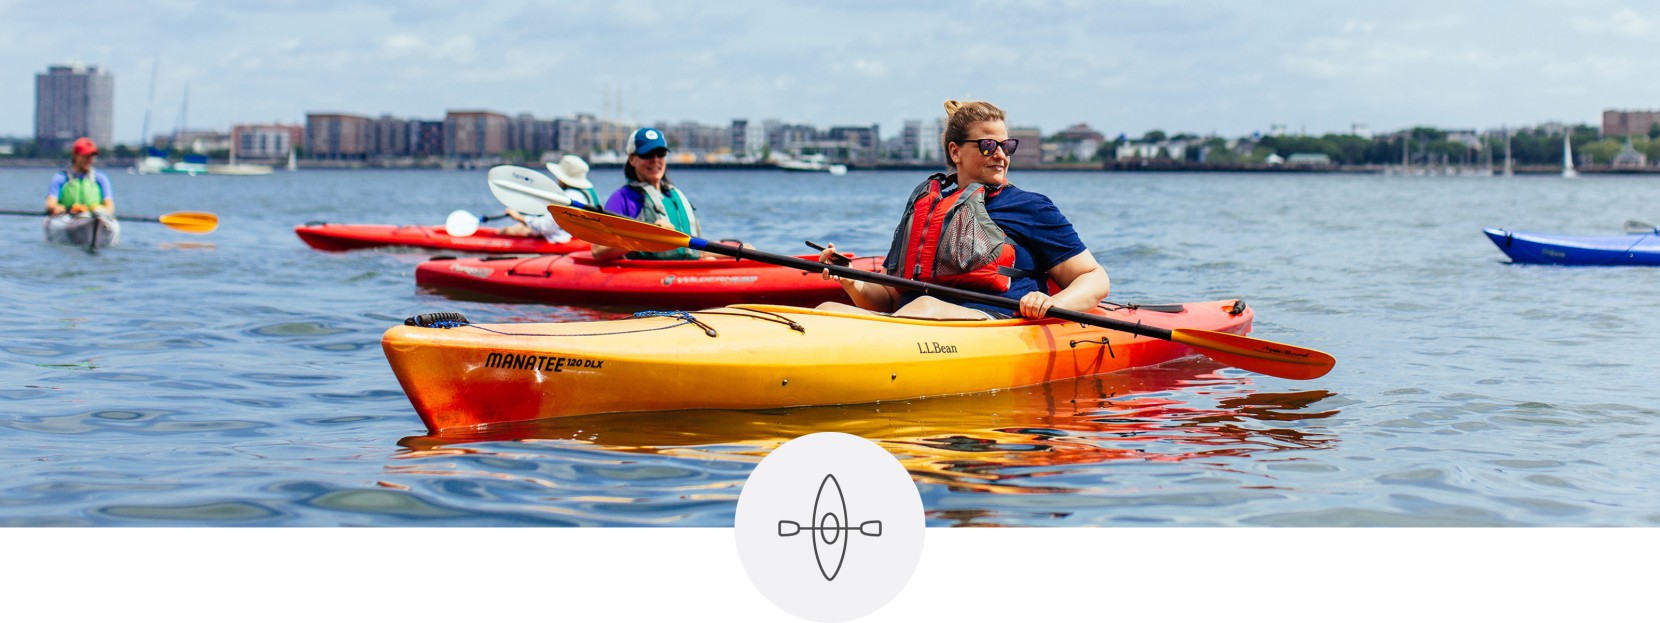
571	171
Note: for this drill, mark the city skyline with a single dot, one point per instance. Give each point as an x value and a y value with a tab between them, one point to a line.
1121	67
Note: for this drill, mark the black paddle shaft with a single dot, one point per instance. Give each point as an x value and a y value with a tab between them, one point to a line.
43	214
925	288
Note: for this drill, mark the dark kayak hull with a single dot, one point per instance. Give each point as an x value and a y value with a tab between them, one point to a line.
1535	248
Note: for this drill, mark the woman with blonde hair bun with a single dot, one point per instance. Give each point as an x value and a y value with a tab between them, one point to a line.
970	228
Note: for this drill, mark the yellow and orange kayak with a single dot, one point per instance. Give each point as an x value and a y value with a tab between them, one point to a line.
461	375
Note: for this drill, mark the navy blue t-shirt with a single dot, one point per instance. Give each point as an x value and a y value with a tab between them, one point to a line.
1042	239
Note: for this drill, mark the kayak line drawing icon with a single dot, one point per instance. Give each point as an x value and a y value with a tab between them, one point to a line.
829	522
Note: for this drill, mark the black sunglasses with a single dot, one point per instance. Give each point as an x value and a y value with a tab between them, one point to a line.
653	154
987	145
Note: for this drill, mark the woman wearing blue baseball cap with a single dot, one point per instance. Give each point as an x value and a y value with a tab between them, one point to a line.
648	196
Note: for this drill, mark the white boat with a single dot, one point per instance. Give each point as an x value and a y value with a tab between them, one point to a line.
95	231
193	164
1568	158
813	163
239	169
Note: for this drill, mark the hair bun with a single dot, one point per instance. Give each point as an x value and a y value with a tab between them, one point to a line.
951	107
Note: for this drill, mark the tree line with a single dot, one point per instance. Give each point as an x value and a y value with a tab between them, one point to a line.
1418	146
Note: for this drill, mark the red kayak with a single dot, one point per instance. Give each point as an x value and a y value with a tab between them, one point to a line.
341	237
679	284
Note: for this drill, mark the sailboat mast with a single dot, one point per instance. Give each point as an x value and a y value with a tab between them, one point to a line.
155	66
184	114
1509	166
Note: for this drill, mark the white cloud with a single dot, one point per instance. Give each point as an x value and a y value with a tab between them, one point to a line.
1354	26
1624	22
862	67
459	48
402	45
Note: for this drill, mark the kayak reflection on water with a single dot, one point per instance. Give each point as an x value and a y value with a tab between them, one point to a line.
981	443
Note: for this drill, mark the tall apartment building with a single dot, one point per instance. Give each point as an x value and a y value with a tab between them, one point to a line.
474	134
747	138
72	101
532	136
269	141
335	136
390	137
1628	122
910	141
426	138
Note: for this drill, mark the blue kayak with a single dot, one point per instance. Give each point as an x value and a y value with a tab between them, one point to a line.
1531	248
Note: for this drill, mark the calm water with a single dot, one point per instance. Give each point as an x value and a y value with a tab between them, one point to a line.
237	378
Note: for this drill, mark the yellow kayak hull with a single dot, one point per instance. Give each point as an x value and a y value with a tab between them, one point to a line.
750	357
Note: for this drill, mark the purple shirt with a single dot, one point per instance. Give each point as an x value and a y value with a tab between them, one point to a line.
625	202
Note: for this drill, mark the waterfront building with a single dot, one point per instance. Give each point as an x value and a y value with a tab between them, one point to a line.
267	141
792	138
1629	122
1029	155
72	101
426	138
910	141
929	146
690	141
863	143
1313	160
196	141
474	134
389	137
531	136
747	139
1078	142
338	136
1629	157
1158	150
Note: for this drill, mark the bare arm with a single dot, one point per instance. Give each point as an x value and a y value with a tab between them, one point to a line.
1083	284
866	295
605	254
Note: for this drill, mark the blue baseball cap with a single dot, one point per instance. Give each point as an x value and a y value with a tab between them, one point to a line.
647	139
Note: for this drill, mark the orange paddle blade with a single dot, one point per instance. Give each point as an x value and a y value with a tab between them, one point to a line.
616	231
190	222
1260	356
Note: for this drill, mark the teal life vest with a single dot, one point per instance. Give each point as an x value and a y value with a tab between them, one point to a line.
677	208
592	199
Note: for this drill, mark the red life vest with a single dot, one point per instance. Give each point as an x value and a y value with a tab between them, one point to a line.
946	237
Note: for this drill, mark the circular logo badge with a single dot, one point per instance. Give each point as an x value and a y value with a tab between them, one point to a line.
829	527
668	280
651	135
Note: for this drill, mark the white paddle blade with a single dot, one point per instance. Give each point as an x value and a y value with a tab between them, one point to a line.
461	224
1639	227
525	190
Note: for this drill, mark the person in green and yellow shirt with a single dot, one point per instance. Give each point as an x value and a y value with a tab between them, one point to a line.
80	188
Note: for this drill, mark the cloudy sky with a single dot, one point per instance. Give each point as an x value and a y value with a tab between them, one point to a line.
1121	66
